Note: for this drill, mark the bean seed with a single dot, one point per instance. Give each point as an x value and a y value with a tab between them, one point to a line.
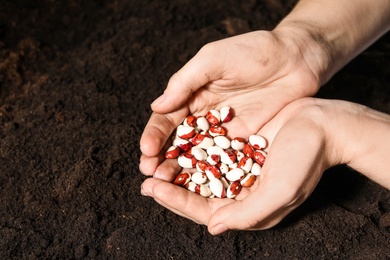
199	177
191	186
213	172
256	169
172	152
185	132
228	157
233	190
213	117
183	144
190	121
245	164
217	188
238	143
216	130
215	150
257	141
213	159
187	160
222	141
235	174
182	179
201	166
203	190
259	157
248	180
198	153
226	114
202	123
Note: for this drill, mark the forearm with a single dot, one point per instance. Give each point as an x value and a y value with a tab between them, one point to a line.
361	138
374	158
332	32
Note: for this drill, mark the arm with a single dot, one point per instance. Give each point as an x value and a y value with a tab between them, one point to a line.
362	136
305	138
333	32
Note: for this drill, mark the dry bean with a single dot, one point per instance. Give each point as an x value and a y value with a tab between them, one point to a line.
185	132
216	130
215	150
257	141
213	117
245	164
203	190
256	169
183	144
259	156
248	180
235	174
190	121
201	166
191	186
182	179
217	188
199	177
222	141
233	190
199	153
213	172
213	159
202	141
238	143
187	160
202	123
172	152
226	114
228	157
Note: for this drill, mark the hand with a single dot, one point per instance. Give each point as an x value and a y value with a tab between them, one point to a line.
305	138
257	74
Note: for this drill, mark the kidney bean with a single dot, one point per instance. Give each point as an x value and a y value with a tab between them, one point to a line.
182	179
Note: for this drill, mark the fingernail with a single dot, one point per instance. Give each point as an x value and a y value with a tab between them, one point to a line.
218	229
158	100
143	192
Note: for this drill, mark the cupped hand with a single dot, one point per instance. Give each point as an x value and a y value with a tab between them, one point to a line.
300	149
257	74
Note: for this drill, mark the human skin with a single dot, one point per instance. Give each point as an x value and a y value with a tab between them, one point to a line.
305	138
259	74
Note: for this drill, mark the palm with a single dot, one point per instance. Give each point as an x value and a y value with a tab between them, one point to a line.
256	74
288	177
254	83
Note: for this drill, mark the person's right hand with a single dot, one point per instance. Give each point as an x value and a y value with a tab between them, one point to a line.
257	74
304	139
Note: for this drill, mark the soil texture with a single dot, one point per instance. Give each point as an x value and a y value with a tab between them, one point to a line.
76	82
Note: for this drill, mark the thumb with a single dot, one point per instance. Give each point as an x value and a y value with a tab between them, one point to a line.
289	175
259	210
203	68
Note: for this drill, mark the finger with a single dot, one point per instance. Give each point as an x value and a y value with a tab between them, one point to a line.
203	68
159	167
158	130
292	169
177	199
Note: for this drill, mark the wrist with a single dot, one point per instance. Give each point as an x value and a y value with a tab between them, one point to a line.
359	137
314	49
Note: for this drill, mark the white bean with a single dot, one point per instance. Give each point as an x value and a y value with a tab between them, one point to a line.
222	141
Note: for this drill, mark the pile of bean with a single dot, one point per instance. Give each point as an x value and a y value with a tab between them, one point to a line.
223	166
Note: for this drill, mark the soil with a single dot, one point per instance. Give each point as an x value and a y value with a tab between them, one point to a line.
76	81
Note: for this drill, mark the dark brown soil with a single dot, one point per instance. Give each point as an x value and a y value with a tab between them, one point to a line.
76	81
